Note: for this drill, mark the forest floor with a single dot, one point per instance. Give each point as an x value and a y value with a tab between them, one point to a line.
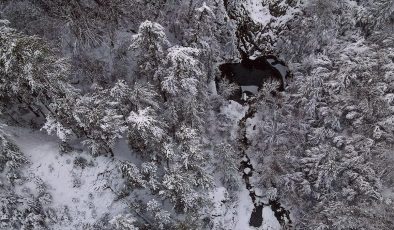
80	185
248	202
75	180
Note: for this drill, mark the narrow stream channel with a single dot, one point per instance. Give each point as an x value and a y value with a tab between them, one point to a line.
246	167
251	74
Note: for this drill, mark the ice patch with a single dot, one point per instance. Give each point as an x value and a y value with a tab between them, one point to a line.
282	69
269	220
244	209
251	88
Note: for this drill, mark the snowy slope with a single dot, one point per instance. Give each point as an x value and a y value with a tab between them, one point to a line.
258	11
78	193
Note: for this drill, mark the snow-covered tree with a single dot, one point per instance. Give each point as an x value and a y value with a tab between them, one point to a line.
11	159
124	222
150	43
183	80
146	133
99	119
31	74
227	165
18	211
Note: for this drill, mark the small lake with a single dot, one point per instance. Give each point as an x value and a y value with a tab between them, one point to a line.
251	74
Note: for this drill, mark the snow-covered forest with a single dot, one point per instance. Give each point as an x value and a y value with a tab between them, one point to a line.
197	114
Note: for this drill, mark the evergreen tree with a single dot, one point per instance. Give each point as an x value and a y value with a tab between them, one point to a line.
32	76
150	43
184	84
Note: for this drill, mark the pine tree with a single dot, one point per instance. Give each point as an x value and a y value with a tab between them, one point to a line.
124	222
183	81
11	159
150	43
32	75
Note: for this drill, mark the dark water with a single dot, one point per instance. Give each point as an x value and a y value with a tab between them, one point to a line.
256	219
281	214
255	73
251	75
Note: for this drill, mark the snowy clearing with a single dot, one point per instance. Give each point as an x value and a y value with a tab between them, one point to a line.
77	188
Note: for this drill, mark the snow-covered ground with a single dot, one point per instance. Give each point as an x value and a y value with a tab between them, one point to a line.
235	112
77	182
244	210
269	220
258	12
238	218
